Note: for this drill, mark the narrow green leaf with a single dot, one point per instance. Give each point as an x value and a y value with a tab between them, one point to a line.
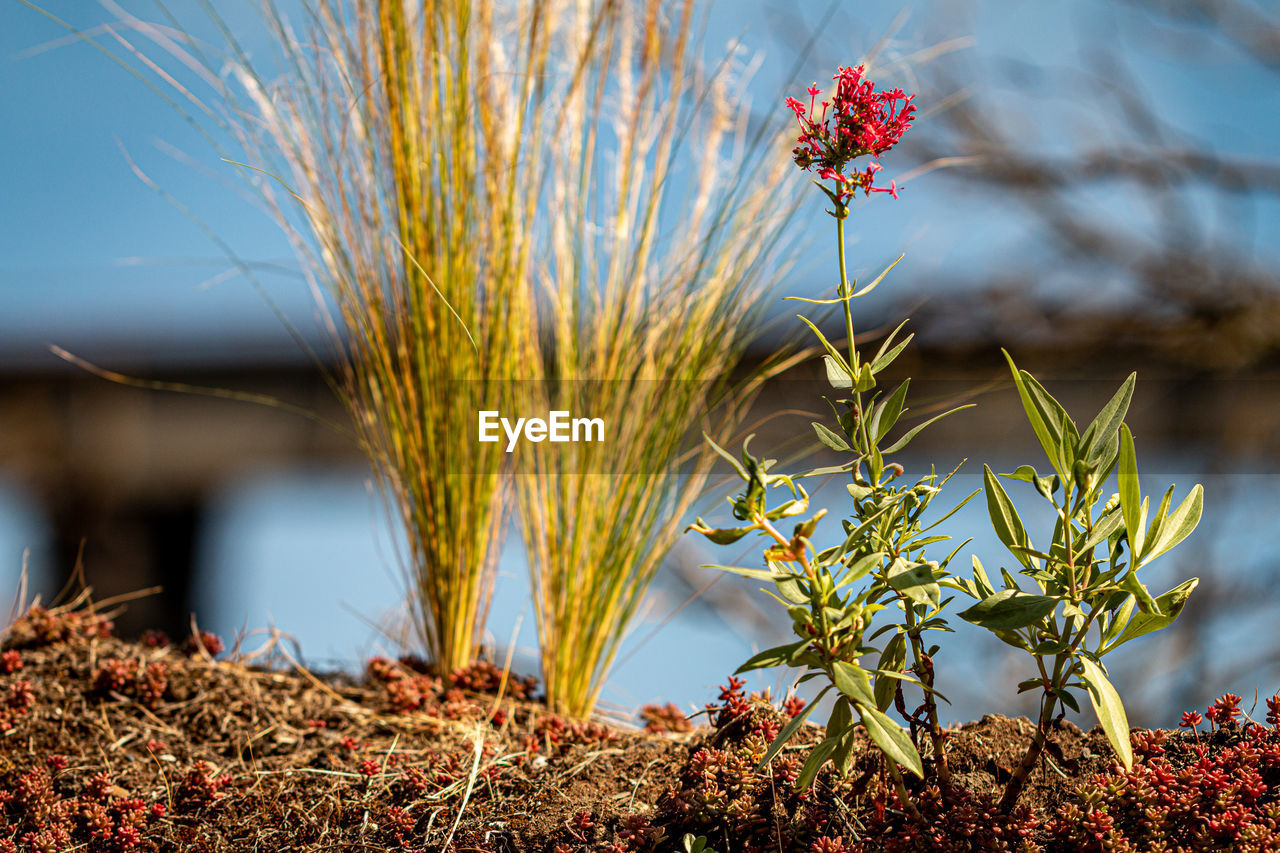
1025	473
894	657
891	409
980	576
1047	430
893	741
860	568
886	344
1110	711
853	681
842	757
1116	622
777	656
876	281
1145	602
1130	494
1005	519
814	763
915	581
841	717
906	439
1067	699
729	457
1157	523
886	358
719	535
1169	607
836	376
830	439
826	344
1099	433
1009	610
1108	524
1179	524
791	728
754	574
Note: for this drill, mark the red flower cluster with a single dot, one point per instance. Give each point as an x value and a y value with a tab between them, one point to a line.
856	122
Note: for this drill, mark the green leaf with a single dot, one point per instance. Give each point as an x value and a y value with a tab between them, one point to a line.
906	439
1046	425
732	460
754	574
836	376
832	352
1170	607
790	729
790	589
719	535
1009	610
1116	619
1005	519
814	763
860	568
915	581
980	577
830	439
866	379
853	681
872	286
894	657
1130	583
1067	699
888	412
1098	434
842	757
893	741
1130	494
1102	531
777	656
1110	711
1178	525
884	356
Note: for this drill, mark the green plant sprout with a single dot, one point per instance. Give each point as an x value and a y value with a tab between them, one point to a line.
1088	577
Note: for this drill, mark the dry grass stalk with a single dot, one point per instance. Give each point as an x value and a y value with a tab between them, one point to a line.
661	218
399	138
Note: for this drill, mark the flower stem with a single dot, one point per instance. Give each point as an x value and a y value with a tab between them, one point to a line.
846	292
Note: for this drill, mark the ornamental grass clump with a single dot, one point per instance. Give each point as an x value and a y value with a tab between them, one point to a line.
399	128
528	207
396	145
1087	600
661	221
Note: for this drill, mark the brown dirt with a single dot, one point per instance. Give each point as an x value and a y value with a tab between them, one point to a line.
982	754
296	762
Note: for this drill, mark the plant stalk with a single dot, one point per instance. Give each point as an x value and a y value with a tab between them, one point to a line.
1014	789
900	787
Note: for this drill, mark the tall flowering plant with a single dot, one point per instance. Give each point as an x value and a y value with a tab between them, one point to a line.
1085	581
834	593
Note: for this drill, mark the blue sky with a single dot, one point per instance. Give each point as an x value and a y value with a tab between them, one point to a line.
89	253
